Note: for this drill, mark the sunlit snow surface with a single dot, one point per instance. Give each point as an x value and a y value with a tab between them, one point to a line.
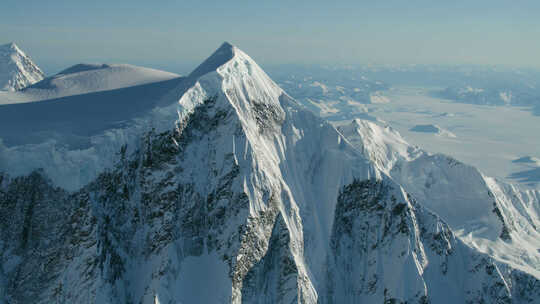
488	137
86	78
17	70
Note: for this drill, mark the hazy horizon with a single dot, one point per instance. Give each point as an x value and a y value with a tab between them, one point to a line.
177	36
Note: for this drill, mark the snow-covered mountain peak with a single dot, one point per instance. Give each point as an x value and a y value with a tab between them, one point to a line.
231	62
234	79
17	70
380	143
222	55
11	46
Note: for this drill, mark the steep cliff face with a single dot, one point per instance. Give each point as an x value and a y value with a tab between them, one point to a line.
235	195
382	236
173	203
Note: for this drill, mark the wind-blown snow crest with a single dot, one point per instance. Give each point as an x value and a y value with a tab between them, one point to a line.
17	70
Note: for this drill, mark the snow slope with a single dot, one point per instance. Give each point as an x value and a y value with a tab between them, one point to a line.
17	70
75	138
228	178
87	78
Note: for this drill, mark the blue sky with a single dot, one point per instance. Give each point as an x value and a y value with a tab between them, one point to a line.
175	35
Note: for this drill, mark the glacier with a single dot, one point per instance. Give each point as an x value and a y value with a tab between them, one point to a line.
222	180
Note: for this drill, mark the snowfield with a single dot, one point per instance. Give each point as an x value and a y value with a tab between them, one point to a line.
157	192
87	78
430	128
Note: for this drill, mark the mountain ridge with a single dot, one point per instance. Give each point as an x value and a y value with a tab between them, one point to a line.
228	170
